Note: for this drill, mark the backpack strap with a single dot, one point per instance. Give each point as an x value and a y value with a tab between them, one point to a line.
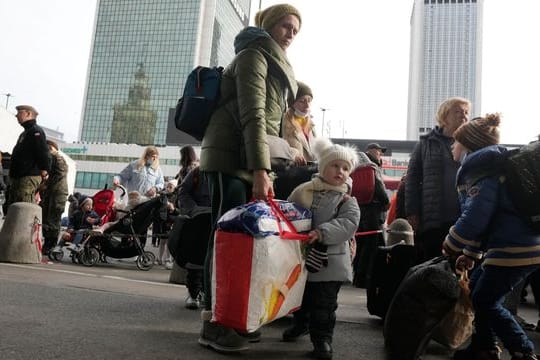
477	176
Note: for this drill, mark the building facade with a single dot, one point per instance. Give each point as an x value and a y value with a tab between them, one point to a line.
142	52
97	164
445	59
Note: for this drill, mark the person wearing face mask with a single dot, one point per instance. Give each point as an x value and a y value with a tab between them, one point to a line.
431	203
492	234
143	175
292	158
256	89
297	128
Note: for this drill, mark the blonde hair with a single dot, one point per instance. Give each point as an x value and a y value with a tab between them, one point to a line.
149	151
446	105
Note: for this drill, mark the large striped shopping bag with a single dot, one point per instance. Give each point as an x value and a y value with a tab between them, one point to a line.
257	279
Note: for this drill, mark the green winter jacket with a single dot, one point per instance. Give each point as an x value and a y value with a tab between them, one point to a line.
255	92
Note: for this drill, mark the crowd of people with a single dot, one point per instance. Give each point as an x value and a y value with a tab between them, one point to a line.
237	161
451	197
37	174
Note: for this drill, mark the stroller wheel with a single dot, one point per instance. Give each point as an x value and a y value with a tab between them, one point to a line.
145	261
89	256
56	255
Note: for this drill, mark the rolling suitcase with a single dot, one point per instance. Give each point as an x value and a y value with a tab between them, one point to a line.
390	267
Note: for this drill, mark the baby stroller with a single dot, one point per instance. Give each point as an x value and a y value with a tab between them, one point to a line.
104	206
104	203
126	238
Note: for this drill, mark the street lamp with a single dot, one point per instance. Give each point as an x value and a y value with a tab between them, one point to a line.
323	113
8	95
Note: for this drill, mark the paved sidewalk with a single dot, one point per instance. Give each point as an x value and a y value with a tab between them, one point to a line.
68	311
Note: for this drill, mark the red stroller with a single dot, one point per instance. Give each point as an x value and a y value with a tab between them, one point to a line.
104	204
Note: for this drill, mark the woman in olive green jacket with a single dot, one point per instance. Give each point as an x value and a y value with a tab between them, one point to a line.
255	92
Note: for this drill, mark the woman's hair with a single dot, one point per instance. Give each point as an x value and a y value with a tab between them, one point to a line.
149	151
187	156
446	105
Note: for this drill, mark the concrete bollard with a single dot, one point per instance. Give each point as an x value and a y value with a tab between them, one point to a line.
21	235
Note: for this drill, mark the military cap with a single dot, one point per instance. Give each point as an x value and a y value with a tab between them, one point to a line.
26	108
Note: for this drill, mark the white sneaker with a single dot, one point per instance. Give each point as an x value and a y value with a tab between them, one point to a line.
168	265
191	303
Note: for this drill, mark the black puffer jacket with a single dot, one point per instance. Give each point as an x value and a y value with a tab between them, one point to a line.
31	154
430	182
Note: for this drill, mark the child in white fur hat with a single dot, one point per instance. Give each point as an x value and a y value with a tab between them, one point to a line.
335	219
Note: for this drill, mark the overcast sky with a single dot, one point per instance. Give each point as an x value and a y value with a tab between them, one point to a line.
353	53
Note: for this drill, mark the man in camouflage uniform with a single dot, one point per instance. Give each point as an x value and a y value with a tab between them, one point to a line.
29	158
53	191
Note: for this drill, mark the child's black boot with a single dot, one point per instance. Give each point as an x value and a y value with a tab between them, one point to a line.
322	350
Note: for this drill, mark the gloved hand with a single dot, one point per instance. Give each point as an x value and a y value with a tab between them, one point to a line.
464	262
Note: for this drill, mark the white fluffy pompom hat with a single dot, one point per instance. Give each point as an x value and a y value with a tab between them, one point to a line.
326	151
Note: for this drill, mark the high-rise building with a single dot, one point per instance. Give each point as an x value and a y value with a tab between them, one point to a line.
142	52
445	59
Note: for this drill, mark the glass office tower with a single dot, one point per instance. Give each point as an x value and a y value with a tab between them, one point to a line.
142	52
445	59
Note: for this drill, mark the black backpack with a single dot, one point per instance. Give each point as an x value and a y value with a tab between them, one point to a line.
199	100
522	176
188	238
426	295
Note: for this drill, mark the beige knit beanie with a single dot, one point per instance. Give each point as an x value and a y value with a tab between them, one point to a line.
267	18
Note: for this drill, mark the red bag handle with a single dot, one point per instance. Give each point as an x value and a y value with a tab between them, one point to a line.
286	235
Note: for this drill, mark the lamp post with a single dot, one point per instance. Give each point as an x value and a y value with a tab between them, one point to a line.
8	95
323	114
